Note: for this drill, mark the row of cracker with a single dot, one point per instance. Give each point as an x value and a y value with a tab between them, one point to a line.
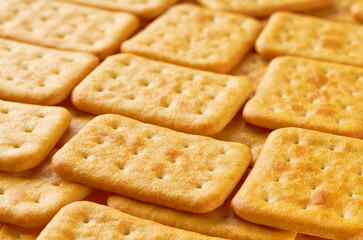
290	144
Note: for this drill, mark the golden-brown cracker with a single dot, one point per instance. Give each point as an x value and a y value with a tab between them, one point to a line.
298	92
264	8
196	37
87	220
306	181
300	236
239	130
31	198
11	232
218	223
176	97
65	26
145	9
40	75
339	10
305	36
253	66
154	164
357	10
79	120
28	133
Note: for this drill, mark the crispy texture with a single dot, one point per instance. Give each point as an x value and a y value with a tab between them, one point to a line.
357	10
11	232
299	92
239	130
196	37
306	36
31	198
253	66
65	26
264	8
176	97
86	220
154	164
143	9
339	10
306	181
218	223
79	120
28	134
39	75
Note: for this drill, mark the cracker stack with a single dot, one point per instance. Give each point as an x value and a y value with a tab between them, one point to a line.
187	119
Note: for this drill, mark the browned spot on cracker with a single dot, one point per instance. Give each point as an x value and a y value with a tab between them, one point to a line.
297	107
319	80
329	43
325	111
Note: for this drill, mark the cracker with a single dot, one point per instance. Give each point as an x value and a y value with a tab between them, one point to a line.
176	97
264	8
65	26
306	36
308	182
40	75
145	9
218	223
253	66
31	198
11	232
357	10
86	220
28	134
310	94
239	130
196	37
339	10
154	164
79	120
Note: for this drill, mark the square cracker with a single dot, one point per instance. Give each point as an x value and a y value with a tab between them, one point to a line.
65	26
220	222
145	9
28	134
87	220
339	10
39	75
305	36
306	181
196	37
154	164
32	198
264	8
11	232
297	92
176	97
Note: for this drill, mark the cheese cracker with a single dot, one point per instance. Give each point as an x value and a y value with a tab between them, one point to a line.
311	37
65	26
28	134
176	97
297	92
39	75
196	37
86	220
306	181
154	164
